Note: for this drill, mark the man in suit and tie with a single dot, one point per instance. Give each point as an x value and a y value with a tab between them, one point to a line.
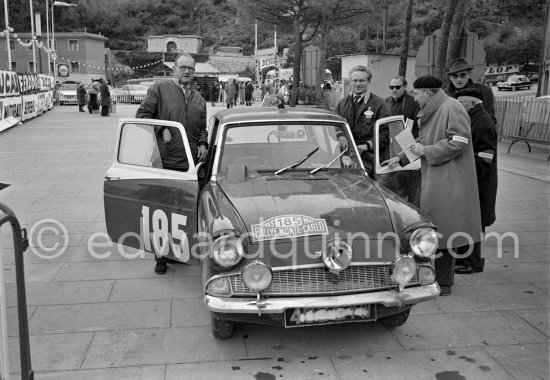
361	109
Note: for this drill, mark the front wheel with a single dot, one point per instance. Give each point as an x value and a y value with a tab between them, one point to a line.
395	320
221	329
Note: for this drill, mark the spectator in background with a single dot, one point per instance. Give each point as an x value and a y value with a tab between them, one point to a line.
241	92
484	137
177	100
361	109
460	74
248	91
230	93
105	97
236	93
81	97
406	183
449	194
93	92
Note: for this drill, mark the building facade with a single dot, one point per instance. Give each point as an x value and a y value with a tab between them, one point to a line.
80	57
174	43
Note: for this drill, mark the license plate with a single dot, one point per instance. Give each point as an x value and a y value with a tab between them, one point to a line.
313	316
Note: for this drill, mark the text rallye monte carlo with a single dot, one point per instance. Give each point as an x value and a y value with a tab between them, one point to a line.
287	226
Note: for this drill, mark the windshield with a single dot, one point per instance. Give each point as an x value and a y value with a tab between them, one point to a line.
68	87
136	87
276	146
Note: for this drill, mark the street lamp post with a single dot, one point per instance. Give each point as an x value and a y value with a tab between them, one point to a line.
59	4
7	34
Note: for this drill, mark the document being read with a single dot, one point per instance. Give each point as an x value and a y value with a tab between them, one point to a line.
405	139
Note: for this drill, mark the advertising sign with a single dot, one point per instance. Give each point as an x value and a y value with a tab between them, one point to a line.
12	107
28	83
504	70
9	83
63	70
30	106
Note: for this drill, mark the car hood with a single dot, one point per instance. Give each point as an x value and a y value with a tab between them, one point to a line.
325	204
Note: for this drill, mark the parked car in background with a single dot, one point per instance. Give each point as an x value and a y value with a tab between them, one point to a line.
67	94
515	82
133	93
286	225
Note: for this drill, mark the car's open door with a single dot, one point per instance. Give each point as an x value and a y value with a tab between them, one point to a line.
148	206
395	125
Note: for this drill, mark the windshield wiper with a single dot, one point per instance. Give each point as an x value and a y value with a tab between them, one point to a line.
328	164
293	166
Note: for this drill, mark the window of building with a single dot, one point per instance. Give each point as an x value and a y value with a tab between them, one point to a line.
75	67
171	47
28	47
14	66
30	67
73	45
12	45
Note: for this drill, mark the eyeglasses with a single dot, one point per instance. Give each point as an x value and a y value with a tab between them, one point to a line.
188	68
395	87
461	75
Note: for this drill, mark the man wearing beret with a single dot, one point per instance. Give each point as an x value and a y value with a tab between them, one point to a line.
449	194
361	109
484	137
460	74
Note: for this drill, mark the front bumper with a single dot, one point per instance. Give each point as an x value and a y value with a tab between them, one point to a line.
387	298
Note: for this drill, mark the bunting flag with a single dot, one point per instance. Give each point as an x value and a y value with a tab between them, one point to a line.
113	67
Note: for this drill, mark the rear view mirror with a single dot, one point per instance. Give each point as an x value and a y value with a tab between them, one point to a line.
392	125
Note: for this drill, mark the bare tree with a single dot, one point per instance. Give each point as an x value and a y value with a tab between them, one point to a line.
403	57
441	63
457	30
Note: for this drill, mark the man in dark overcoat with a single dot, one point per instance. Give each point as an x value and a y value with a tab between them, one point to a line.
81	97
484	139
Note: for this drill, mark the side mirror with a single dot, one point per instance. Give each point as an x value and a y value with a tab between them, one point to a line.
392	126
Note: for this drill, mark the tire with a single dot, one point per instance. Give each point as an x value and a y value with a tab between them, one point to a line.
514	88
500	89
395	320
221	329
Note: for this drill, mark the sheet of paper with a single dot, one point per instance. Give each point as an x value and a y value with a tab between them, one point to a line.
405	139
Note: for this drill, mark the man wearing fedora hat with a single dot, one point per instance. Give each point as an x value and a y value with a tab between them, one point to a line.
460	74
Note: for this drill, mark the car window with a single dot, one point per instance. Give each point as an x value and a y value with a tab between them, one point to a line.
275	146
138	146
68	87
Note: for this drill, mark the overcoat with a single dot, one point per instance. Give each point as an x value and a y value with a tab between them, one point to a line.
449	194
485	136
105	94
81	94
486	94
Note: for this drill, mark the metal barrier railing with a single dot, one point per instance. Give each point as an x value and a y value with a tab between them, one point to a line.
20	244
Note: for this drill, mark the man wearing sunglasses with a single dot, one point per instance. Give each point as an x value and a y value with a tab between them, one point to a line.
405	183
460	75
177	100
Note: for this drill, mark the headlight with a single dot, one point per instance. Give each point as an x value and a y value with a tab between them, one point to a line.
337	256
257	276
426	275
227	251
402	270
219	285
424	242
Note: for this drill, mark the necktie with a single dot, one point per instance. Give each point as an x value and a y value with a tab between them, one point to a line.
357	98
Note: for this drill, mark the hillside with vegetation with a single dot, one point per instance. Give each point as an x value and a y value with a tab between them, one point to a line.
511	30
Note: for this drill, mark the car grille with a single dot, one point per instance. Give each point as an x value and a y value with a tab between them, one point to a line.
303	281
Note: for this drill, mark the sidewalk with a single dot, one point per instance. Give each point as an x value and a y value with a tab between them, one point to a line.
114	318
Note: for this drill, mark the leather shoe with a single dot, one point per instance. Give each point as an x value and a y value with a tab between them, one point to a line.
446	290
465	269
161	268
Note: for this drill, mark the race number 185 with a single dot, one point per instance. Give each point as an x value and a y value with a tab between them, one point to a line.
162	232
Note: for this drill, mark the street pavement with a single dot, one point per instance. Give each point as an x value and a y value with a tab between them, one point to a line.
114	318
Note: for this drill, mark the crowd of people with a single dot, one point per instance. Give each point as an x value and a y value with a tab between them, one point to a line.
96	98
455	139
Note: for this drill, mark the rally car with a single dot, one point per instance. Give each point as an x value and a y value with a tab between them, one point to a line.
287	226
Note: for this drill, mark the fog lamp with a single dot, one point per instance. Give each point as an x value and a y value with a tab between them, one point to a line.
337	255
426	275
227	251
402	270
424	242
257	276
219	285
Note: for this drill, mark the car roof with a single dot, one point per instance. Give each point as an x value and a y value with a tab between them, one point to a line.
269	114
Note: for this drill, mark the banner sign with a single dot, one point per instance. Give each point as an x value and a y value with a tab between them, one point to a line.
30	106
503	70
9	83
267	60
28	83
41	105
12	107
45	82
